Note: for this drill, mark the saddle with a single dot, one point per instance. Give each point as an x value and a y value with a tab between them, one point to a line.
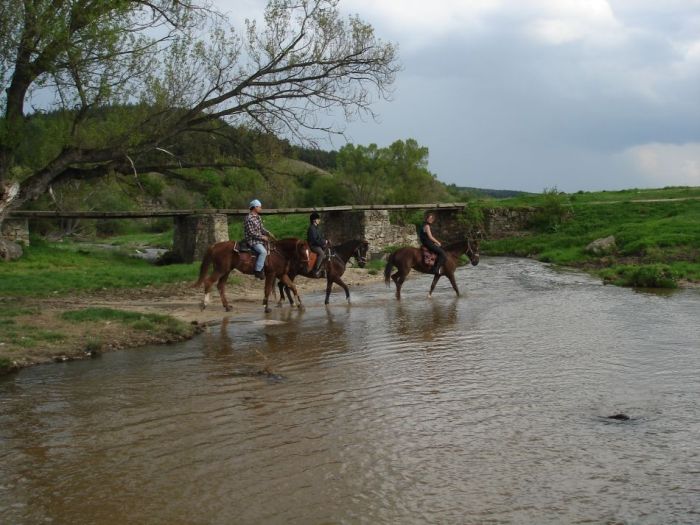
242	246
429	257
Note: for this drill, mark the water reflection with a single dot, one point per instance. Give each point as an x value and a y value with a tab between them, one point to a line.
425	320
492	407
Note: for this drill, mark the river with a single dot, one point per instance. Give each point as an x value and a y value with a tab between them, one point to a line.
489	408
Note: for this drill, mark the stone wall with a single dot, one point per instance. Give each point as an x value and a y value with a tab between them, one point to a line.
370	225
506	222
195	233
15	230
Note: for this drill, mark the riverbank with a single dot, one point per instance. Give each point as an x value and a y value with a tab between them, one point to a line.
37	330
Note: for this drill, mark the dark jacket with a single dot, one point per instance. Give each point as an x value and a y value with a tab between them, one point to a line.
314	236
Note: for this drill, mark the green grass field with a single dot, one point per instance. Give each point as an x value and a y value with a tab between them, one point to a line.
657	233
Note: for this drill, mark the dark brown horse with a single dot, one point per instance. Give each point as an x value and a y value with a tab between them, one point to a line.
334	267
224	257
409	258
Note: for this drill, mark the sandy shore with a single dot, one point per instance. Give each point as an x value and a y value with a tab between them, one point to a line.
180	301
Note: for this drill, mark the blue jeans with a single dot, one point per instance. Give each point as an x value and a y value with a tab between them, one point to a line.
262	254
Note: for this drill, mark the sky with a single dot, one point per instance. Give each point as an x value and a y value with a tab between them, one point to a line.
539	94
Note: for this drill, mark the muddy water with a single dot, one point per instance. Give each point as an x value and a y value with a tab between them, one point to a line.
491	408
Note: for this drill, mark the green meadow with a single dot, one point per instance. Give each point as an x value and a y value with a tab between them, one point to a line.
657	234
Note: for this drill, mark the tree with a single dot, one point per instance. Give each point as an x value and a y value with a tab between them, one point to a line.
131	77
362	172
397	174
407	168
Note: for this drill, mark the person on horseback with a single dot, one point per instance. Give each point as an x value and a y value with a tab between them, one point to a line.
431	243
257	236
316	242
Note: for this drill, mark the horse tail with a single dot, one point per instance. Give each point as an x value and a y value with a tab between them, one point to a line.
204	267
387	269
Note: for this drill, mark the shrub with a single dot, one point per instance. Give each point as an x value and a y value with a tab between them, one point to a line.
553	211
645	276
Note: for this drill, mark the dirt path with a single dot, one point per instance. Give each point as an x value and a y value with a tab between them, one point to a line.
61	340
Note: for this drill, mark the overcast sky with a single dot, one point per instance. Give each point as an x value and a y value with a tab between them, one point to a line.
535	94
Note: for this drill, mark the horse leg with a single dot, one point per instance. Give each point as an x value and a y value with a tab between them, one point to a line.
451	277
329	288
208	283
280	285
269	285
222	291
290	284
289	296
432	286
399	283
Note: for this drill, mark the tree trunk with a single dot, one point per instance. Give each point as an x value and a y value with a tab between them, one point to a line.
8	193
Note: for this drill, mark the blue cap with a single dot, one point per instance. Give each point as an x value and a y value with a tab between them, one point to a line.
255	203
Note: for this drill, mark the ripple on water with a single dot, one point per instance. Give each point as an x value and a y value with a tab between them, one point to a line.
491	407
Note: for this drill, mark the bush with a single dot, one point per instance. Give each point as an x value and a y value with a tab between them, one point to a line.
553	211
645	276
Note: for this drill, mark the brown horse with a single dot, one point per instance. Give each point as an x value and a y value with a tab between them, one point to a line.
409	258
334	267
224	257
288	255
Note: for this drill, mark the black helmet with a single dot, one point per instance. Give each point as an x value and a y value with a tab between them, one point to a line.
314	216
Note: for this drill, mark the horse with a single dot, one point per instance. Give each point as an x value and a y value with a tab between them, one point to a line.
288	255
225	256
334	265
405	259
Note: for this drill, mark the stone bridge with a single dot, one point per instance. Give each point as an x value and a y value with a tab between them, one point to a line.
196	230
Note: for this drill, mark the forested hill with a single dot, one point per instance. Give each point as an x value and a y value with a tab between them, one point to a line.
229	166
242	164
496	194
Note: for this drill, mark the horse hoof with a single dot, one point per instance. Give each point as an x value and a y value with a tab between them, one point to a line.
267	310
228	308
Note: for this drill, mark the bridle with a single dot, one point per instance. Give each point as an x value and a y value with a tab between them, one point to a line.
471	253
361	259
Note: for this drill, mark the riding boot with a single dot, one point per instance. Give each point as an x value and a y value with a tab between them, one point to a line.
260	275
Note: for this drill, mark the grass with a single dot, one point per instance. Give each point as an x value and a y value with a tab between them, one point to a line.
647	234
281	226
138	321
61	268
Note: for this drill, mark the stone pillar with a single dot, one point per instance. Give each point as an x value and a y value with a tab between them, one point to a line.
195	233
15	230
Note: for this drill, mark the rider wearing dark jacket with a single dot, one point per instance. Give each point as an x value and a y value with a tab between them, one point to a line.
426	238
316	241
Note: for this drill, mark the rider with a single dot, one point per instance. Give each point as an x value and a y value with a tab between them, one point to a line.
316	242
256	235
430	242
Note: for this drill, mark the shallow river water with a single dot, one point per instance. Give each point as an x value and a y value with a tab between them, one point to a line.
489	408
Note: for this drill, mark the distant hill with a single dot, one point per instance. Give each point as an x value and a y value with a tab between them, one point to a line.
497	194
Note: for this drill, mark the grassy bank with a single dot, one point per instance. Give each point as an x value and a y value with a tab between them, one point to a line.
32	332
657	234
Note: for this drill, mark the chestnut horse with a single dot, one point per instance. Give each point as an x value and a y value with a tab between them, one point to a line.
224	257
287	255
409	258
334	267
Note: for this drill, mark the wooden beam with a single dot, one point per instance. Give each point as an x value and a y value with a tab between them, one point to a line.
35	214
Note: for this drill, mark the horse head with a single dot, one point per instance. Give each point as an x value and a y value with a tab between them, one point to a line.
303	254
361	253
473	251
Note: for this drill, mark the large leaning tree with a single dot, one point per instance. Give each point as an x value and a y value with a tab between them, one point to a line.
124	79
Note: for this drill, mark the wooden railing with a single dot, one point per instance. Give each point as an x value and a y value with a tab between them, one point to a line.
34	214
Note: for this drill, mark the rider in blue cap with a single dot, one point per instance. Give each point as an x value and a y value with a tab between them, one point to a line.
256	235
